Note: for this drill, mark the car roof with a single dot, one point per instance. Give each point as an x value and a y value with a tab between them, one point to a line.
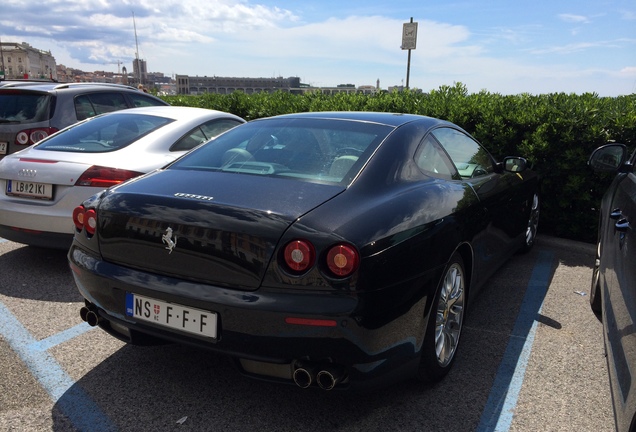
54	86
175	112
390	119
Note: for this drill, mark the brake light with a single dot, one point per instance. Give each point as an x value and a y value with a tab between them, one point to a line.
343	260
31	136
78	217
85	219
99	176
90	221
299	255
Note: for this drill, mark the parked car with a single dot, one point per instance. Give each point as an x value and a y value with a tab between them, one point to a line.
613	291
323	249
40	186
32	110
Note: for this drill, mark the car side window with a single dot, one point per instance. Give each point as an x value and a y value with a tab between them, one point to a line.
215	128
203	133
83	107
469	157
432	160
141	100
90	105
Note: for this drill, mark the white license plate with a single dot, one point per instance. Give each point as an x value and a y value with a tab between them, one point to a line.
3	147
171	315
30	189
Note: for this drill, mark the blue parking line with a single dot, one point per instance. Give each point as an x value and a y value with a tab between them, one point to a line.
61	337
70	398
504	394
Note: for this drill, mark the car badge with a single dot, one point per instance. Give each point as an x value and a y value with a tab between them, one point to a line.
27	173
168	241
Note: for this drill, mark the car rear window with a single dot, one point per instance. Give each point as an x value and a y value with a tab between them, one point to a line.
21	107
320	150
103	133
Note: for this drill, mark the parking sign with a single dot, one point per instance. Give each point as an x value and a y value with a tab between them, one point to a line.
409	35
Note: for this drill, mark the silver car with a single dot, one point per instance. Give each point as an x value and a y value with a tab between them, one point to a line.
33	110
41	185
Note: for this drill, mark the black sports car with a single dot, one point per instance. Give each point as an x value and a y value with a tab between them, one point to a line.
329	249
613	291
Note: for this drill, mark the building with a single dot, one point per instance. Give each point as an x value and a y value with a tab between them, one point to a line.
195	85
140	72
22	61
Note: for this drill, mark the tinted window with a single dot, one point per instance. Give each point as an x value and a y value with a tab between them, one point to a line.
215	128
107	102
92	104
20	107
308	149
203	133
103	134
433	161
141	100
470	158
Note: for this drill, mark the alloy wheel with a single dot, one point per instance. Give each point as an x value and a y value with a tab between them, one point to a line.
450	315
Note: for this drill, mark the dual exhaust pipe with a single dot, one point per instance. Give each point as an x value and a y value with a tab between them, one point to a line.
89	316
326	376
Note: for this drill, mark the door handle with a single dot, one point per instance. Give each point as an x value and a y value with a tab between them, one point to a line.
622	225
616	213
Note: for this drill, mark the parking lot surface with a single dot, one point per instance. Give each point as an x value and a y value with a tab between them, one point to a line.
531	359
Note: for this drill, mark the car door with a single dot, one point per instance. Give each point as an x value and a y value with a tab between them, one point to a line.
618	265
501	209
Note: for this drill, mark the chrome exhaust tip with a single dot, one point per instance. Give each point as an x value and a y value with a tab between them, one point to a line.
329	377
304	375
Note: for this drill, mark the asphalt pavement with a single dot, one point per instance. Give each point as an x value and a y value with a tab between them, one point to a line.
531	359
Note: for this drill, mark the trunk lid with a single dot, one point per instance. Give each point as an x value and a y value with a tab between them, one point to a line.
216	228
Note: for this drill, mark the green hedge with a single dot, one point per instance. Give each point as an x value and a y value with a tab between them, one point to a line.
557	132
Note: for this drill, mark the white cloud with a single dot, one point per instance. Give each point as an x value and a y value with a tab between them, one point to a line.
574	18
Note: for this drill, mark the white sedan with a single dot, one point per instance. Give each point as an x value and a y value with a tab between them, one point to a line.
41	185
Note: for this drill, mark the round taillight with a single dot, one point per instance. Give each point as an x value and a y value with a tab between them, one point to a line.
342	260
78	217
38	135
22	138
90	221
299	255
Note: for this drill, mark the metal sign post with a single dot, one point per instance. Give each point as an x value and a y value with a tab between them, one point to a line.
409	41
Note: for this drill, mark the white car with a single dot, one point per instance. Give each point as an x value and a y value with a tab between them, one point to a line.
41	185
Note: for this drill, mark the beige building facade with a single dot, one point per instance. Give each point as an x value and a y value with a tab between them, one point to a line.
22	61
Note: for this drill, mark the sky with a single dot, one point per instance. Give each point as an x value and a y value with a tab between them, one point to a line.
500	46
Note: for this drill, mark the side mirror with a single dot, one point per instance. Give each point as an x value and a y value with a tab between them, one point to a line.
609	158
514	164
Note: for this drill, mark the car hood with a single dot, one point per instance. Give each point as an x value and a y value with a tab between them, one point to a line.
215	228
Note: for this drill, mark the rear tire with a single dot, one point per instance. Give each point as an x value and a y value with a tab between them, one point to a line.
533	224
445	323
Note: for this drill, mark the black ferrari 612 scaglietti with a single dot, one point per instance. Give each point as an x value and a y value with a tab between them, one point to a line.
327	249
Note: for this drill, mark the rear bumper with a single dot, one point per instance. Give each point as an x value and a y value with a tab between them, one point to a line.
369	349
43	239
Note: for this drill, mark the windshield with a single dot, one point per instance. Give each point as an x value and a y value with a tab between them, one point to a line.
19	107
103	133
323	150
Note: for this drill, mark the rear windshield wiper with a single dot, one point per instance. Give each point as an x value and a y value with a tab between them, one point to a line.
3	121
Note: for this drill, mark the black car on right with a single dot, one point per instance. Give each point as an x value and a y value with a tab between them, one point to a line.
613	290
